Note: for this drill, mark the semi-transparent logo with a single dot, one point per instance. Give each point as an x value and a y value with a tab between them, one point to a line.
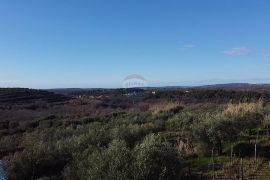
134	81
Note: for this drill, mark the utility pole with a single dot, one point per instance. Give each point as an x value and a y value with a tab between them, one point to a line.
242	169
255	152
255	155
256	149
213	164
231	155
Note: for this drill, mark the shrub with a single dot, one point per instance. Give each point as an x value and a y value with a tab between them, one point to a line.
156	159
112	163
35	163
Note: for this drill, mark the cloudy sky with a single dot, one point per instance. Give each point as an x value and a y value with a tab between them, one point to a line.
97	43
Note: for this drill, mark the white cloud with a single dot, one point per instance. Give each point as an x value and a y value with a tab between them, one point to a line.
189	46
237	51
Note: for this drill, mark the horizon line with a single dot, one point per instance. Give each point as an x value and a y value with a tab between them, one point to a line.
167	86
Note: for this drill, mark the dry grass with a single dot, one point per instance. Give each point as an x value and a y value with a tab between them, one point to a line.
242	108
162	107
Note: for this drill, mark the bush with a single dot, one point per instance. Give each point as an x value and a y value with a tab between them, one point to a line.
156	159
35	163
114	163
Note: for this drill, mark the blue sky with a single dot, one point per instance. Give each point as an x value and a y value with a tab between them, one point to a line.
96	43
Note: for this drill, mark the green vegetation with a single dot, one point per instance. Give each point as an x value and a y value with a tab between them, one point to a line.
157	138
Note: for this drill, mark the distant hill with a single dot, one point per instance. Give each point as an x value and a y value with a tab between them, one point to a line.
67	91
229	86
239	86
24	95
61	94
